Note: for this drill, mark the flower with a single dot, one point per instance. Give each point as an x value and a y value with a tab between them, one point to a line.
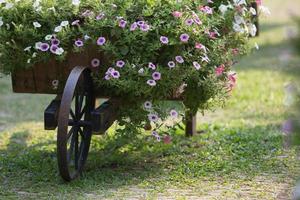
167	139
101	41
179	59
76	22
58	29
196	65
156	76
140	23
223	9
171	64
151	82
151	66
164	39
173	113
184	37
79	43
206	9
152	117
95	62
133	26
115	74
53	49
76	2
37	25
219	70
55	42
145	27
59	51
141	71
177	14
64	23
122	23
189	22
44	47
120	63
100	16
232	80
148	105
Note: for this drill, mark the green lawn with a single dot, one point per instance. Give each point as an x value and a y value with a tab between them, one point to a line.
241	155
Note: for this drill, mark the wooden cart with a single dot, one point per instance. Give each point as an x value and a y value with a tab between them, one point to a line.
73	110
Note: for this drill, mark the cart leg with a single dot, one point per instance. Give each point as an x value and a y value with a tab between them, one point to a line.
190	125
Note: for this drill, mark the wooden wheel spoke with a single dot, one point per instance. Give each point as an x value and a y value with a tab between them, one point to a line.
76	153
72	114
82	112
70	132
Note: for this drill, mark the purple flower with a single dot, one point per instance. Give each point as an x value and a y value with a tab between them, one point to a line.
184	37
164	40
152	66
147	105
107	77
120	63
100	16
140	23
155	133
101	41
156	76
76	22
44	47
55	42
95	62
133	26
174	113
87	13
145	27
79	43
179	59
196	65
122	23
152	117
115	74
151	82
171	64
53	49
189	22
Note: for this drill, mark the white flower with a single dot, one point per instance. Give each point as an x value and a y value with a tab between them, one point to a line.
9	6
37	45
264	10
239	2
64	23
34	55
223	9
27	48
239	20
252	29
28	61
59	51
86	37
76	2
237	28
58	29
253	11
48	37
37	25
141	71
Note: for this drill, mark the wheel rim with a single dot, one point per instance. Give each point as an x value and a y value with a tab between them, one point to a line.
74	127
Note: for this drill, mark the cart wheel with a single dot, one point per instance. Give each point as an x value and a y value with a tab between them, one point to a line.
74	123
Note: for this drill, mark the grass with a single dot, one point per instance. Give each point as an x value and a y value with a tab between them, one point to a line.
241	154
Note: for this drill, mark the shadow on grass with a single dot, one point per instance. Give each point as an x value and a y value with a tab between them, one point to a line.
220	152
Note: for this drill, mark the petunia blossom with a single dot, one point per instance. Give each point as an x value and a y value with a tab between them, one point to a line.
101	41
156	76
220	70
184	37
151	82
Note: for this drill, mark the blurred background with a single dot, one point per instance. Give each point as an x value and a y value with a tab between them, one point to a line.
245	150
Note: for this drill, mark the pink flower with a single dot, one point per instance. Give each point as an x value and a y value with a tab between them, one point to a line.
232	80
167	139
213	35
122	23
184	37
189	22
152	83
151	66
95	62
101	41
220	70
177	14
164	39
179	59
156	76
196	65
206	9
